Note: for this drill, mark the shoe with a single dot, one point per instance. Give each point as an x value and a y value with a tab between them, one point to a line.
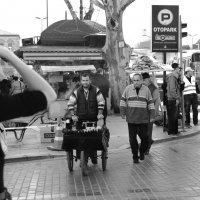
142	156
195	124
146	152
136	161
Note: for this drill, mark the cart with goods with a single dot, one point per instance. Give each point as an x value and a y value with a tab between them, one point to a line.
89	138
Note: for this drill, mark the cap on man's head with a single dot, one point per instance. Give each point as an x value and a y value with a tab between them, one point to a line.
188	69
175	65
145	75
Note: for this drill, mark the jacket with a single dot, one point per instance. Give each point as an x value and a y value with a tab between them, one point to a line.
173	87
87	109
138	108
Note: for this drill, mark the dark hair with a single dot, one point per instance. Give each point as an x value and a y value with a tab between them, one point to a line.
175	65
85	75
145	75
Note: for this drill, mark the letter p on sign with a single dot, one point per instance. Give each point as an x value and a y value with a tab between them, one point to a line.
165	17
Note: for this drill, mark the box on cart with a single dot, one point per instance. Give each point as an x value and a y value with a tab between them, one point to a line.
47	134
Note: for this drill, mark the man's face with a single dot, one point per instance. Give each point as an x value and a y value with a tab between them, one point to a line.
137	81
146	81
85	81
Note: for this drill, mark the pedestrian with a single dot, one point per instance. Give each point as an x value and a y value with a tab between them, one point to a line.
156	99
63	92
137	107
173	99
89	104
17	86
100	81
190	96
23	104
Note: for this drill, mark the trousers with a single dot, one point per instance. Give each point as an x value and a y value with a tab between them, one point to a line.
172	115
191	100
141	131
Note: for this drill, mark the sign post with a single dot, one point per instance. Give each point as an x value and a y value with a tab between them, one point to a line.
165	36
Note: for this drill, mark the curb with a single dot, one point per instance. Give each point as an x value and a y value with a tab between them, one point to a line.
48	156
32	158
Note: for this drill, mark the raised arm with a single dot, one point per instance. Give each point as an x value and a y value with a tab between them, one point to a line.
31	77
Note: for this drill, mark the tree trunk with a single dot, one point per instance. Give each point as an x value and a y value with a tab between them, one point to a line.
73	14
88	15
116	52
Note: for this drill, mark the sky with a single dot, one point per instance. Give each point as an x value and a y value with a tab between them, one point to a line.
19	16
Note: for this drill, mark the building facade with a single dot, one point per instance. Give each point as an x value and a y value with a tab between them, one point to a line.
12	42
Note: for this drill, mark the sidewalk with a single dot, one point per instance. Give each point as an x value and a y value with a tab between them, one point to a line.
31	147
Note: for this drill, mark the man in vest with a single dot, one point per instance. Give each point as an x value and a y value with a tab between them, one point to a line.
89	103
156	99
190	97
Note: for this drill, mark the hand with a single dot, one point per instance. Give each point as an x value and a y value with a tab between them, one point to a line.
74	118
100	116
123	116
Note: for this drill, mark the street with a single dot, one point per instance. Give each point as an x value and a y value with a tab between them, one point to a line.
171	171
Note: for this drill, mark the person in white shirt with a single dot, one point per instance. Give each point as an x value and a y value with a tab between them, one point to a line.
190	97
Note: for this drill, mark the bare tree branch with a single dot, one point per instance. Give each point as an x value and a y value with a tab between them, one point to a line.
125	3
88	15
98	4
74	16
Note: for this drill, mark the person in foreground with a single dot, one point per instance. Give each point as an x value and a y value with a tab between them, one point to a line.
90	104
137	107
38	98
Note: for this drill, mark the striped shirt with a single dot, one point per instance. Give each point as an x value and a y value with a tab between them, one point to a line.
138	108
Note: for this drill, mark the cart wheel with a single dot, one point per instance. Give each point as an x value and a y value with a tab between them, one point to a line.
70	160
84	163
104	159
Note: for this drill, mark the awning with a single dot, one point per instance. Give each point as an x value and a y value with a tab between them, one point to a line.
73	68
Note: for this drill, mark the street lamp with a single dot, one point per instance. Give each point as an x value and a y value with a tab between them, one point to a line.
192	38
41	19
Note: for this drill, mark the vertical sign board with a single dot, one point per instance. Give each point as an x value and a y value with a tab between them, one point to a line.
165	28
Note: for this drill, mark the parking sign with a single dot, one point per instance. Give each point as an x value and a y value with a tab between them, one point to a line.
165	28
